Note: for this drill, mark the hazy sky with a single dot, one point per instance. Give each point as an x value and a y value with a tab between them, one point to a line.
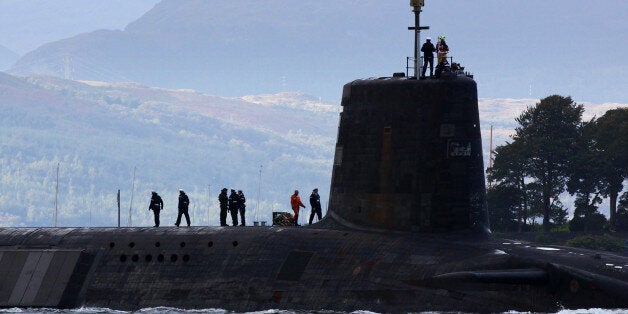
515	48
27	24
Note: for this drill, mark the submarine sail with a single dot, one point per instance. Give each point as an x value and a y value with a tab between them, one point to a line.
409	155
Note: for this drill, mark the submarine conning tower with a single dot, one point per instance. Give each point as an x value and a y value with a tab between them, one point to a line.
409	156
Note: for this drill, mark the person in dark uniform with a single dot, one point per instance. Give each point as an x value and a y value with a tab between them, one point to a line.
233	206
156	205
315	203
428	56
184	201
224	206
242	206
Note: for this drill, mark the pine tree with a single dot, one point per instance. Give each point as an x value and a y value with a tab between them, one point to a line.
548	133
610	138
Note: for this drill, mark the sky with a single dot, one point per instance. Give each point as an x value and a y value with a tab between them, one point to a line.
535	48
27	24
515	48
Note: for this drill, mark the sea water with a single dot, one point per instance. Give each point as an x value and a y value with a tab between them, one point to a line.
171	310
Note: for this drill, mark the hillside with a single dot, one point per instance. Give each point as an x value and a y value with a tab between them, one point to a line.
98	132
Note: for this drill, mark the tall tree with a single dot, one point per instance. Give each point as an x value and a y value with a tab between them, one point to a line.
508	171
584	168
586	181
621	219
610	137
503	203
586	216
548	133
623	202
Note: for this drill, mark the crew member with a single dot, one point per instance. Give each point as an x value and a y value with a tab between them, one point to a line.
428	56
242	206
233	206
315	203
184	201
295	202
443	49
224	206
156	205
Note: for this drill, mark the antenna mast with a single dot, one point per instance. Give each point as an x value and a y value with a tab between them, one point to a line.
56	198
417	6
132	192
259	191
490	154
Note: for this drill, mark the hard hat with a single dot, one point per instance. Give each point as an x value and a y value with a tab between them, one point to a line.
428	38
441	37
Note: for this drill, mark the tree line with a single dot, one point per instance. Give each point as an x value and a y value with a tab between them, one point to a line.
552	151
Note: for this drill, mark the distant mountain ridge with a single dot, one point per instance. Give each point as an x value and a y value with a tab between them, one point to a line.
235	48
228	47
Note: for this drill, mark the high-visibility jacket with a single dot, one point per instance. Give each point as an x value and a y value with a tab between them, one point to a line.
443	49
295	202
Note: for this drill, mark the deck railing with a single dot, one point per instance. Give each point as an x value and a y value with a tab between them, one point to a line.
410	65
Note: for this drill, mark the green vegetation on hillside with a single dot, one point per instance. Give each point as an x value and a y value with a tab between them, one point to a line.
99	135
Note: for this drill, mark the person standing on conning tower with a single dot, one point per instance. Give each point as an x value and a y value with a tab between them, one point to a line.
428	56
443	49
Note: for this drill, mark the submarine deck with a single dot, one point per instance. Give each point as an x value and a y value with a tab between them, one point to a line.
247	268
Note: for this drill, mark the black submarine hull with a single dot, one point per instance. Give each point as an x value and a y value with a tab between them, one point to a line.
309	268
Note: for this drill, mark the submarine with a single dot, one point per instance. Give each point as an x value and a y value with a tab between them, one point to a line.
406	231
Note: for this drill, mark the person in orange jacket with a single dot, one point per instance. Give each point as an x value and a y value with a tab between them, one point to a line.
295	202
